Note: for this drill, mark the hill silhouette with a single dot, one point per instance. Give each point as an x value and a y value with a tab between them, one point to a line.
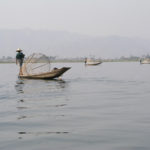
66	44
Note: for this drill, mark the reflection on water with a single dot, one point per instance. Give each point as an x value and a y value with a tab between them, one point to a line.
21	100
51	84
20	134
36	100
21	107
21	117
19	86
40	133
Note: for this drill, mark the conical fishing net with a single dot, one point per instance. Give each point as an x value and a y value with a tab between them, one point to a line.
36	63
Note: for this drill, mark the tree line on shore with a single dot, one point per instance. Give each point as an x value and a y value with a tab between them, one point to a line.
9	59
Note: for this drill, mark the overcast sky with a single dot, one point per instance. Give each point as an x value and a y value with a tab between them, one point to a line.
129	18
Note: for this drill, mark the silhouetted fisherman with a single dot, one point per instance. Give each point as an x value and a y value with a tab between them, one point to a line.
19	59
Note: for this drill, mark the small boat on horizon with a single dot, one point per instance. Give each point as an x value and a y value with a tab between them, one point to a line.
145	61
89	61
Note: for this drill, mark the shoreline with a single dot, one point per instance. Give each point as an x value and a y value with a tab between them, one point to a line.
73	61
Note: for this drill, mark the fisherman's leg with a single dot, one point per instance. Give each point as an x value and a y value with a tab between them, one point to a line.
20	72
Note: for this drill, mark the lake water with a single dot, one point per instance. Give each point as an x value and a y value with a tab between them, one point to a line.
105	107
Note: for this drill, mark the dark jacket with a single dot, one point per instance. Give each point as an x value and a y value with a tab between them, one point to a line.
20	55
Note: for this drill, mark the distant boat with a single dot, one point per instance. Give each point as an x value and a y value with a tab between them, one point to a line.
89	61
145	61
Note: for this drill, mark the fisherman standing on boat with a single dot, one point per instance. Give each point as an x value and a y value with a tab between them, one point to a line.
19	59
85	61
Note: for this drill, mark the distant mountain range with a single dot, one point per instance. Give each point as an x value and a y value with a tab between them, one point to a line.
66	44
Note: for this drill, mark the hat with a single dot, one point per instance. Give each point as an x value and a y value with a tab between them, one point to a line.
18	50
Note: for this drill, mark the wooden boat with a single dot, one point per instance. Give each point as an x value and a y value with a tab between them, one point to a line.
48	75
92	62
145	61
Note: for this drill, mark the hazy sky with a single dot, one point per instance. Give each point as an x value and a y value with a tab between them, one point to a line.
92	17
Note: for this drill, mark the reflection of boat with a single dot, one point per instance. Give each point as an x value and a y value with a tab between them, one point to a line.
145	61
92	62
48	75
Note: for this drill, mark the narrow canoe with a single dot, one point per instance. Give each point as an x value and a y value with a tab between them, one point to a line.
48	75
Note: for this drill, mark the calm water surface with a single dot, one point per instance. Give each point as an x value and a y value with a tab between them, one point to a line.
105	107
